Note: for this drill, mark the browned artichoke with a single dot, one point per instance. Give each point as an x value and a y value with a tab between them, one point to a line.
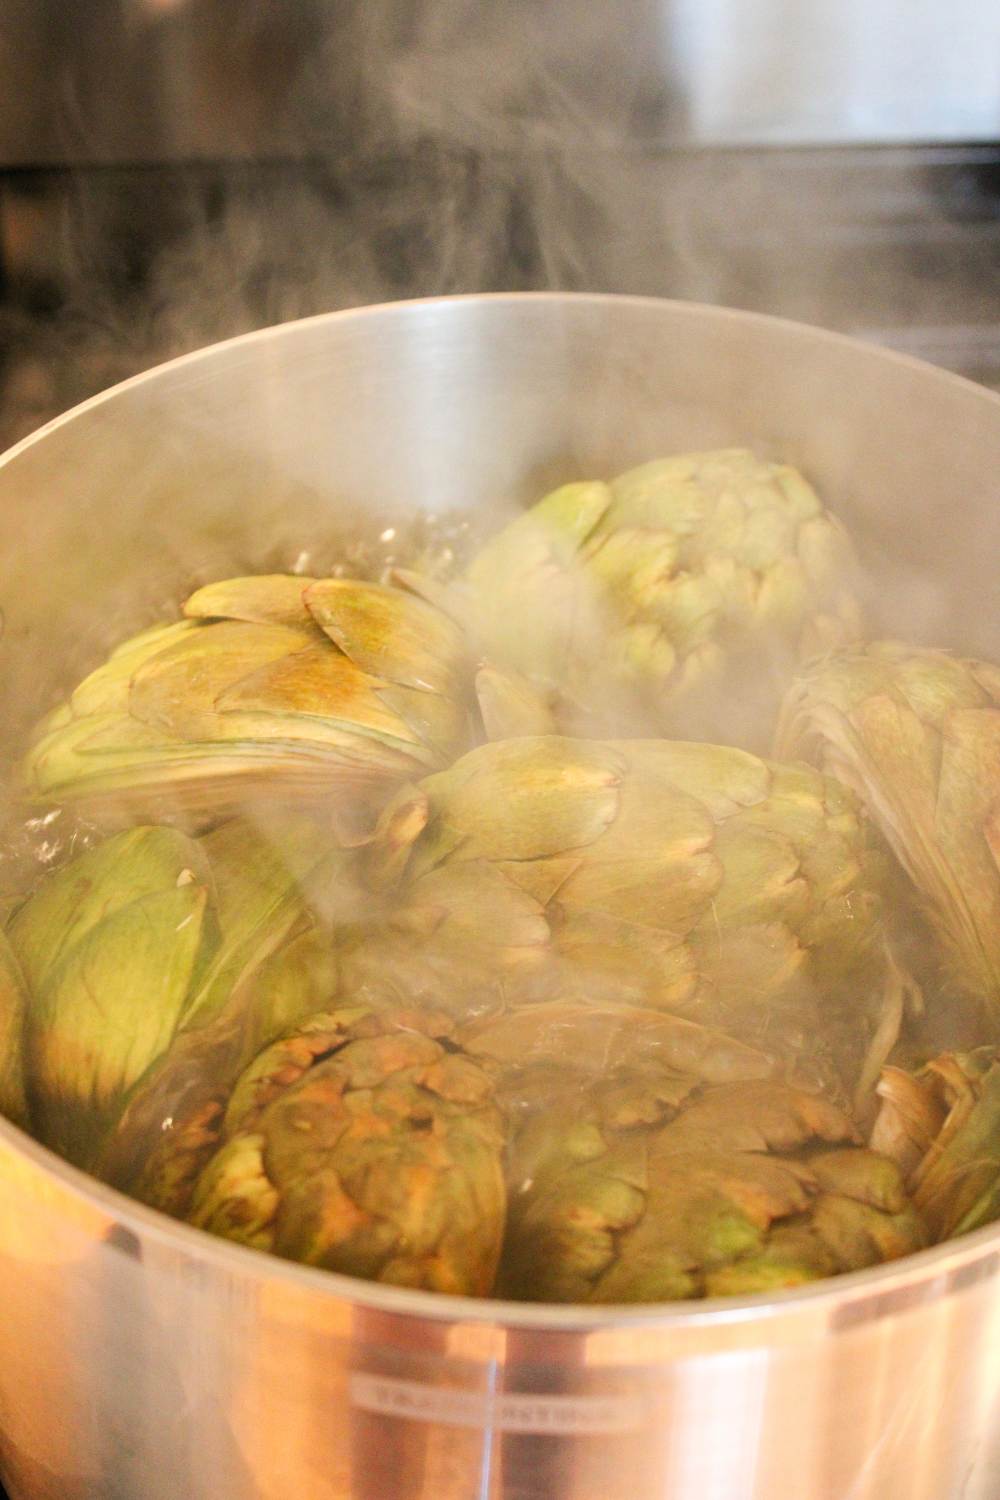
365	1143
942	1125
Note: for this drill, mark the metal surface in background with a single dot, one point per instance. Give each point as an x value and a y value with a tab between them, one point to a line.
155	80
142	1360
837	70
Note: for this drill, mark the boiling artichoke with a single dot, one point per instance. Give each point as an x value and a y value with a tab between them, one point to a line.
942	1125
12	1005
570	1019
140	943
271	686
633	1191
172	1121
364	1143
674	599
693	878
916	733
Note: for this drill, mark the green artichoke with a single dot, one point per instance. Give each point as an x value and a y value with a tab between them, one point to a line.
12	1006
171	1123
272	686
632	1190
364	1142
942	1126
141	944
673	600
692	878
916	733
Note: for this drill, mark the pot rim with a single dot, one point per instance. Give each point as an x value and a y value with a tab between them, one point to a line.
878	1291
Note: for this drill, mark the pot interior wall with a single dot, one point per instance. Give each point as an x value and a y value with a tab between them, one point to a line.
243	454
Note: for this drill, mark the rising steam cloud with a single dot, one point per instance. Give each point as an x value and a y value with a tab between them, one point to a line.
445	146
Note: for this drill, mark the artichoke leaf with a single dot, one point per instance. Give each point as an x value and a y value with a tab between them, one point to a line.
604	1038
511	705
13	1002
387	633
107	1011
261	599
916	733
69	904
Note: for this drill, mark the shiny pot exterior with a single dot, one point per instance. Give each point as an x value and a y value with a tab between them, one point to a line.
141	1360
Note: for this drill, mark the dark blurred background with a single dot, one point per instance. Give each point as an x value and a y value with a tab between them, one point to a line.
174	171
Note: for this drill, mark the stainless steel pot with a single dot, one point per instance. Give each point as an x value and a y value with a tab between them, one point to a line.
139	1358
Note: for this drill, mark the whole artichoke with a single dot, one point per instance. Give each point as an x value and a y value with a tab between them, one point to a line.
692	878
272	686
365	1143
673	600
142	947
12	1007
942	1125
916	733
632	1191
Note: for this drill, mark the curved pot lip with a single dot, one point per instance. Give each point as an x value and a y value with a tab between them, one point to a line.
886	1288
676	307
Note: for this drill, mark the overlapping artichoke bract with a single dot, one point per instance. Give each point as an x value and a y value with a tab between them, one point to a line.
154	953
916	733
652	1189
941	1124
363	1143
674	600
652	1158
271	686
694	878
397	1146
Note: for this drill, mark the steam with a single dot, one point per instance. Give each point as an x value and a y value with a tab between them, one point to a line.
422	150
439	148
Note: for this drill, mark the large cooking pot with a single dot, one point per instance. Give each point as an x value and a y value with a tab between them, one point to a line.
142	1360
